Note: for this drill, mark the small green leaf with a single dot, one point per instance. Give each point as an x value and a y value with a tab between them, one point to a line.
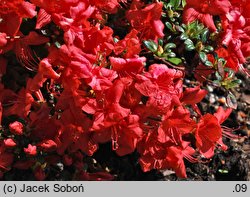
169	26
183	36
175	60
169	46
160	42
234	83
116	40
151	45
189	47
183	3
58	45
208	63
175	3
179	28
218	76
171	54
203	57
204	35
188	42
223	171
209	48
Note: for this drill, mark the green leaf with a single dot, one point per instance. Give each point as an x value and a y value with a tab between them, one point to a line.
171	54
183	36
203	57
151	45
169	26
204	35
188	42
175	3
189	45
116	40
169	46
209	48
234	83
231	101
179	28
217	75
223	171
58	45
160	42
208	63
175	60
183	3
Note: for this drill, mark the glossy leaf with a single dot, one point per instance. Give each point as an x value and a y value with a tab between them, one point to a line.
203	57
151	45
175	60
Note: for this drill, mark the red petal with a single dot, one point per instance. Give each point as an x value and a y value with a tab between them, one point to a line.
194	95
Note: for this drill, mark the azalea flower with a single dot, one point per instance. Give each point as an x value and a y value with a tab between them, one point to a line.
21	7
30	150
207	135
204	11
147	20
16	128
235	35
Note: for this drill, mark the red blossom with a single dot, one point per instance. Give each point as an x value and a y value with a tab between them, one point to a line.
48	145
9	143
16	128
130	46
204	11
30	150
207	134
194	95
147	20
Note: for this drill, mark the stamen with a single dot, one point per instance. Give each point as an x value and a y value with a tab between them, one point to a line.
190	158
114	138
25	56
227	132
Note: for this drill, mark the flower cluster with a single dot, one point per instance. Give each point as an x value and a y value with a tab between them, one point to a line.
89	79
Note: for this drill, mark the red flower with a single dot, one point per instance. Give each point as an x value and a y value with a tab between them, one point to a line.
163	87
127	67
9	143
110	6
130	46
235	35
30	150
3	40
204	10
23	8
194	95
207	135
147	20
47	145
21	104
16	128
